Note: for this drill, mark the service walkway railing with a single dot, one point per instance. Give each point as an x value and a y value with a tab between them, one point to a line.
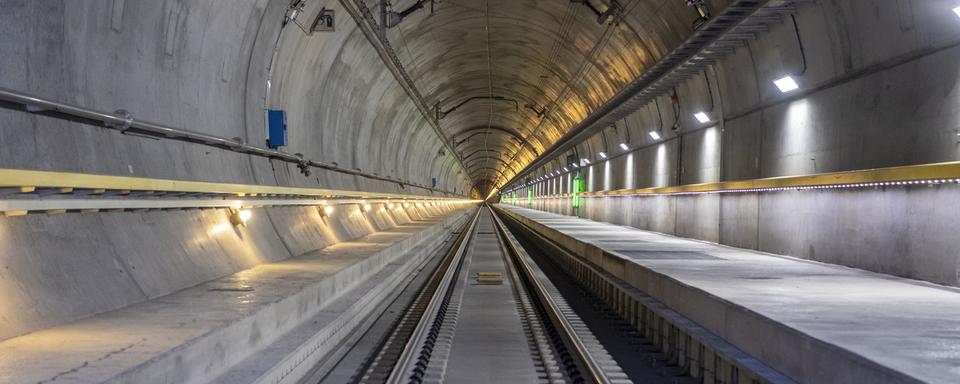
30	191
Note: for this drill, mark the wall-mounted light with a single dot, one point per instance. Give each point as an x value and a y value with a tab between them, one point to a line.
655	135
365	208
389	205
405	205
624	146
240	217
702	117
325	210
786	84
602	155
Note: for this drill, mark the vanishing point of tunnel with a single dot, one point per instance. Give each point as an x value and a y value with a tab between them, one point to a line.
479	191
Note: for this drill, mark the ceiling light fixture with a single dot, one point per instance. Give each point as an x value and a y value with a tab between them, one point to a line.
786	84
655	135
624	146
602	155
702	117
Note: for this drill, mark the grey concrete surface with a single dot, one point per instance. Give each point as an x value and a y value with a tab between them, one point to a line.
196	334
815	322
903	231
878	88
489	343
877	82
62	268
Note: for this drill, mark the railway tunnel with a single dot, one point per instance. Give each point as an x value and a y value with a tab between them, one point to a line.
479	191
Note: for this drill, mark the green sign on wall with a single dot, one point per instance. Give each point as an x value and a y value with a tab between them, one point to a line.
578	188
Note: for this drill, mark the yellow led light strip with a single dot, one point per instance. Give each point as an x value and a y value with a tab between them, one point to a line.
934	173
30	180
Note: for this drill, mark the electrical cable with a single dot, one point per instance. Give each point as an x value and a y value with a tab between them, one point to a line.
803	53
706	79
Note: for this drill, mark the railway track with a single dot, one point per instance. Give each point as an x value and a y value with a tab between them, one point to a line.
487	313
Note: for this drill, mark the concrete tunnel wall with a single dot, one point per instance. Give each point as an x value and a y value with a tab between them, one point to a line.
204	66
879	90
201	66
72	266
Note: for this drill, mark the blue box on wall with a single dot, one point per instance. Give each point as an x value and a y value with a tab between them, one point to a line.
276	128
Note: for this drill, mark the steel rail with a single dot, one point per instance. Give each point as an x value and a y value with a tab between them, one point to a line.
902	176
405	364
594	369
125	123
27	180
19	207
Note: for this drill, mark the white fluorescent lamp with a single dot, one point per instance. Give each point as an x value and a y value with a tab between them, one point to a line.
702	117
957	11
565	169
787	84
624	146
585	161
655	135
603	155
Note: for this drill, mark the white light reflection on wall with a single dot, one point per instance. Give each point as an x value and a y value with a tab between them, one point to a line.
590	179
797	141
660	177
606	175
709	159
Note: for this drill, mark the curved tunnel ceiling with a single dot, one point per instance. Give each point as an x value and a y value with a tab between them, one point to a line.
527	71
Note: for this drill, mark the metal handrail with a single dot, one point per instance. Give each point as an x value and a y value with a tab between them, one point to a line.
906	175
125	123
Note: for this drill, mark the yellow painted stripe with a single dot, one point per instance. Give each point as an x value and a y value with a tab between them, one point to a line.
29	180
933	171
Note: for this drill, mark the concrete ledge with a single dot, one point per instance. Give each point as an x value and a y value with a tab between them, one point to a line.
195	335
815	322
292	356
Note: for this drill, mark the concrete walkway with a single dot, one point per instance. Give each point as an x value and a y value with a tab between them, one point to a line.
196	334
818	323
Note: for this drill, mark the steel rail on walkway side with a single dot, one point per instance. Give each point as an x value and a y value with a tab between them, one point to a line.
125	123
26	191
408	357
594	369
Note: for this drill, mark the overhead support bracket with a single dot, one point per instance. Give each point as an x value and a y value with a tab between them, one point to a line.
602	17
739	22
390	19
441	114
364	18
